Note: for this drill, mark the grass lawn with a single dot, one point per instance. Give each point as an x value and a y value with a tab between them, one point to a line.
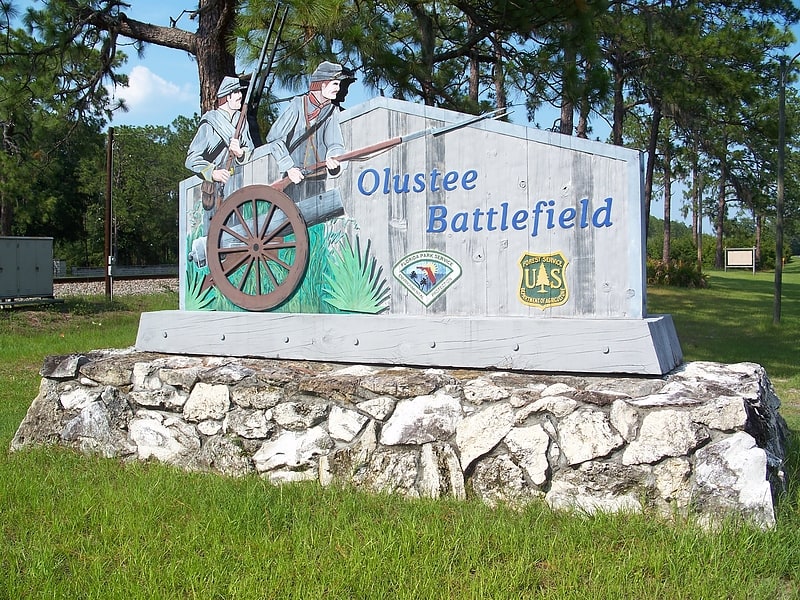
82	527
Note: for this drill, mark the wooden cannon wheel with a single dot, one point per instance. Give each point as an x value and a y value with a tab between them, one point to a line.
257	247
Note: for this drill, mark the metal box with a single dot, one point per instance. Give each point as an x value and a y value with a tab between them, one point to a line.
26	267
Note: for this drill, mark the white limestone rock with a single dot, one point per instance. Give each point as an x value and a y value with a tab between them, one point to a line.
301	414
210	427
345	424
206	401
731	478
145	377
295	450
528	447
557	389
497	480
349	464
481	390
378	408
250	424
724	413
79	398
164	397
170	441
220	454
664	433
391	471
596	486
422	420
625	419
256	395
440	472
587	434
672	476
93	432
477	434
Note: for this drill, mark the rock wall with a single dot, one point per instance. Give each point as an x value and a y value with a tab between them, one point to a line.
705	440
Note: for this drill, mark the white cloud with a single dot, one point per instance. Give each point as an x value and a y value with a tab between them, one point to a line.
152	100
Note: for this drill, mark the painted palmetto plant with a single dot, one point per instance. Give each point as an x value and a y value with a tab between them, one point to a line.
355	281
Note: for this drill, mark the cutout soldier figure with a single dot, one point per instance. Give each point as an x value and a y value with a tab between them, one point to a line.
215	143
308	132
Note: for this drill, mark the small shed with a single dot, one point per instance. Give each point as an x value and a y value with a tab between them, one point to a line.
26	269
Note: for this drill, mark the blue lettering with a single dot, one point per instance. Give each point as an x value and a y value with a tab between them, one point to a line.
419	182
566	218
518	220
460	222
449	182
603	210
398	189
584	213
437	214
387	174
374	187
468	181
434	176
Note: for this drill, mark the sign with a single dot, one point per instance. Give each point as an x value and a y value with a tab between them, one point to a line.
486	240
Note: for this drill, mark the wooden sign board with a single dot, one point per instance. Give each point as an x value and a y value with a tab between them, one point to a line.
487	245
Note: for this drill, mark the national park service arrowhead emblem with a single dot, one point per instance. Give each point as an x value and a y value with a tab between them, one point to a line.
543	283
426	274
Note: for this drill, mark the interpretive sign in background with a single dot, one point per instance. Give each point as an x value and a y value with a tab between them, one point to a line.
464	241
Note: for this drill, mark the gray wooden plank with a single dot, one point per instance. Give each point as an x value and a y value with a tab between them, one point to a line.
644	346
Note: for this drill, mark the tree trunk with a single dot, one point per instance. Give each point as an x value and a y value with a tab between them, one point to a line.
759	222
665	251
567	104
652	147
501	99
427	48
720	220
6	216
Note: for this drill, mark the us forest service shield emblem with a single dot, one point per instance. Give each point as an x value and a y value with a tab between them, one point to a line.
543	283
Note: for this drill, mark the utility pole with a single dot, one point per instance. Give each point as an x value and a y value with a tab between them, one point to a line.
107	251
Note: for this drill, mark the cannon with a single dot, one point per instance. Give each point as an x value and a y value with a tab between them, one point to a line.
257	245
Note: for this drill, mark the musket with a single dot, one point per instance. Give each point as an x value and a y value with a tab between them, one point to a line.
256	77
498	113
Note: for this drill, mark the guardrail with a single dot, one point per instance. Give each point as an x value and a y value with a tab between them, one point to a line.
122	271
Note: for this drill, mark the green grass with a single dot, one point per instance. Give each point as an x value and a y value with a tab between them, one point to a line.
84	527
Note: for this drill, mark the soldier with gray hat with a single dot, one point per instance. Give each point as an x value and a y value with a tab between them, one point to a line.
308	132
216	139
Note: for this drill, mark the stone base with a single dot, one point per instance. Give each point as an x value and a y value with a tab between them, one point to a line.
705	441
641	346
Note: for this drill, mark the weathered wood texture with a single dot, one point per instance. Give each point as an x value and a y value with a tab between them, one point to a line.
487	167
643	346
485	196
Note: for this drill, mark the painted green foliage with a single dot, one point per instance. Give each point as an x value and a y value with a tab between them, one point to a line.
341	277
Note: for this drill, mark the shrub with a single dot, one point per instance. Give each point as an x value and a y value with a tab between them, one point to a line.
675	272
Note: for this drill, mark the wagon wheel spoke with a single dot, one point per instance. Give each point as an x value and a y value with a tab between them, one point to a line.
272	278
246	274
248	233
235	234
267	220
280	245
228	269
254	203
275	233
